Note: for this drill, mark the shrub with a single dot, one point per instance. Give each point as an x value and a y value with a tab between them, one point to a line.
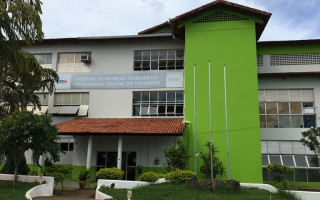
110	173
177	156
280	172
179	176
23	168
149	177
217	165
59	173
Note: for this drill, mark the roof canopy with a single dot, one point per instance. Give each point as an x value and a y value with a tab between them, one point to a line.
179	32
122	126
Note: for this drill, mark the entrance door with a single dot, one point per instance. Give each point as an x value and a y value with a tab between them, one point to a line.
109	159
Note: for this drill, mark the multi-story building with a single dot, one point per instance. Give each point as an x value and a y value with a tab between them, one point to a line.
122	99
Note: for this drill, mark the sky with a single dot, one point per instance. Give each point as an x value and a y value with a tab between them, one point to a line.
290	20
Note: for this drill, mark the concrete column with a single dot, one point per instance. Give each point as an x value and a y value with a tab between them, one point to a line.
119	152
89	153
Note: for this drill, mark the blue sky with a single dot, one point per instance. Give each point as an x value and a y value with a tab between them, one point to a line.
290	20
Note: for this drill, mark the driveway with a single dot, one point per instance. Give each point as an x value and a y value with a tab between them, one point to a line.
83	194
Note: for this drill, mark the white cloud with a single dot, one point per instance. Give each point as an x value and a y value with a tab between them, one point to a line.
76	18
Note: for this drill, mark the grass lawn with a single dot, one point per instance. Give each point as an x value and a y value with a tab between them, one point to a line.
181	192
19	191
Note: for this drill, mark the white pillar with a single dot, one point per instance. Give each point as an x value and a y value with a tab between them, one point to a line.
89	152
41	160
119	152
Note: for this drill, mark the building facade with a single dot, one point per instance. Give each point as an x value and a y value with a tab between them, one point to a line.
120	100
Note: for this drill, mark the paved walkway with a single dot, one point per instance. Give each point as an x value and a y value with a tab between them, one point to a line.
83	194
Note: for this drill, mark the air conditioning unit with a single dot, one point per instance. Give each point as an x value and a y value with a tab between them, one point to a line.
86	58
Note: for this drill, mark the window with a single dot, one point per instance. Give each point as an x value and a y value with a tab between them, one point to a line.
71	99
66	144
75	103
286	108
158	59
158	103
45	60
71	62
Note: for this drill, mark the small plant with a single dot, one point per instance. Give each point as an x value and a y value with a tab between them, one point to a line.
218	168
177	156
280	173
149	177
84	175
110	173
179	176
59	173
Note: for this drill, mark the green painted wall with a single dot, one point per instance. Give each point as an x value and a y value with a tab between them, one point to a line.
232	43
267	49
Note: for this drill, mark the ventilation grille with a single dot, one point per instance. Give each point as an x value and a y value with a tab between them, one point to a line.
295	59
219	17
260	60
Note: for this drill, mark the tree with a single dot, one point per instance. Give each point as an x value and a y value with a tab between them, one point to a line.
23	130
218	168
177	156
310	138
280	174
20	73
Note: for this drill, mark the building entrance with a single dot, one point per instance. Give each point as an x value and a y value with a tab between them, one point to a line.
128	165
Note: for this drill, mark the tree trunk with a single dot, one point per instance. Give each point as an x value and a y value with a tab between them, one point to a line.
16	166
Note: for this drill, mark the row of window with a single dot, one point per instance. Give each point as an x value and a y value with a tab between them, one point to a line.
163	103
158	59
291	160
286	108
171	59
299	175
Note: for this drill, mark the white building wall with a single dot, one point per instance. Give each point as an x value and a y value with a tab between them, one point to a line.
108	57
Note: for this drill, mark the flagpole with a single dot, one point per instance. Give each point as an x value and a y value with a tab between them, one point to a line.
194	119
226	114
210	120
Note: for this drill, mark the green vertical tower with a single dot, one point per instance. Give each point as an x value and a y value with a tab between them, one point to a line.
225	34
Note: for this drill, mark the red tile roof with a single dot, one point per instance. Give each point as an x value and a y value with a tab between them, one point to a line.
123	126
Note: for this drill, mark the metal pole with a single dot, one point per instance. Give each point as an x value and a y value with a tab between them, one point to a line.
210	118
226	112
194	119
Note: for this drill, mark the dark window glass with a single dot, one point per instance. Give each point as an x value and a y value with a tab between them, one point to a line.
136	110
313	175
138	55
153	97
265	160
288	160
64	146
162	110
154	65
145	97
136	97
101	159
70	146
162	97
49	59
275	159
300	160
170	97
309	120
313	161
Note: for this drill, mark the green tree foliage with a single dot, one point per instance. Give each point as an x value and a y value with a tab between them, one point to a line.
59	173
310	138
177	156
9	167
218	168
20	73
279	174
23	130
